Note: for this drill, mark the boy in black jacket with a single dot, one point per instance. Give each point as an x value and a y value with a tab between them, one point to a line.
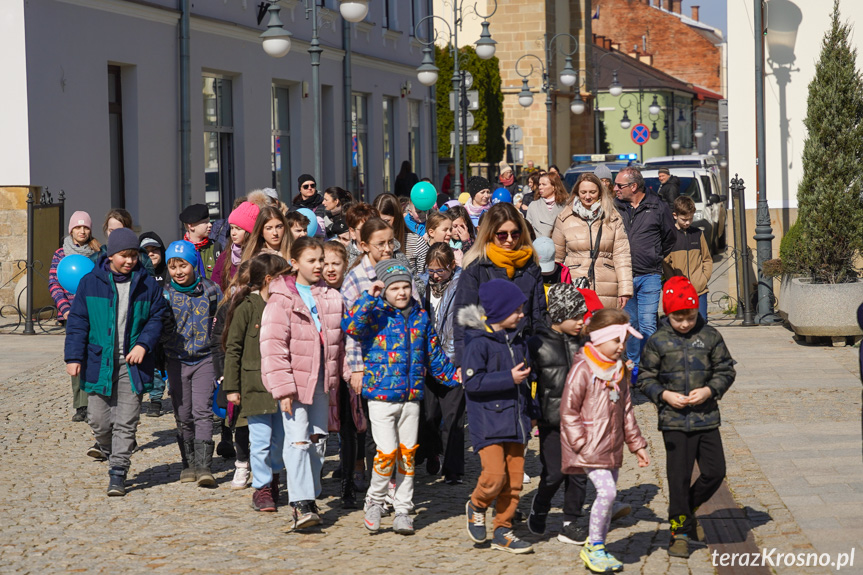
685	370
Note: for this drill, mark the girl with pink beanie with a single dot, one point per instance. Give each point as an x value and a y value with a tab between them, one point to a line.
242	221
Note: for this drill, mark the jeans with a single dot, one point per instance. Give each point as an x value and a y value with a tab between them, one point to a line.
158	386
395	427
642	309
266	440
303	459
114	419
702	305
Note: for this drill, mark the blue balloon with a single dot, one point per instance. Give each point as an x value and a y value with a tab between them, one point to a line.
501	195
219	412
423	196
312	229
71	269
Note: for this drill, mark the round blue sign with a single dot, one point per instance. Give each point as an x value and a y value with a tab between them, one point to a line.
640	134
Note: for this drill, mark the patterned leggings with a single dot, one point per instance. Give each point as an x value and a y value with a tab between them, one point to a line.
605	482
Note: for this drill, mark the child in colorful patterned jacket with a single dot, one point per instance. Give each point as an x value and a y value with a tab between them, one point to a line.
399	344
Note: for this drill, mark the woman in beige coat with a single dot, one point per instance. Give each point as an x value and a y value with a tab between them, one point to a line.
575	232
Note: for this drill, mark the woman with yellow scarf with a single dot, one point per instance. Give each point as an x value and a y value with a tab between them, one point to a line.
503	249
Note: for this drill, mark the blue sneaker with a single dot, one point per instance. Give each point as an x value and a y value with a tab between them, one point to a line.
598	560
475	523
505	540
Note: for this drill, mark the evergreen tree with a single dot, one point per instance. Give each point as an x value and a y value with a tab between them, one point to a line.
830	212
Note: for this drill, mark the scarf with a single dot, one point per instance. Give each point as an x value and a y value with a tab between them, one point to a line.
603	369
438	288
188	288
590	214
198	245
70	247
310	203
510	260
236	254
507	181
550	203
476	210
118	277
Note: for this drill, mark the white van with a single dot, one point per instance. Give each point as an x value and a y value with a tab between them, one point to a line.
702	185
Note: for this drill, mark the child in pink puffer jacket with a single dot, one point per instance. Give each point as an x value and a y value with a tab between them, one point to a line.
302	359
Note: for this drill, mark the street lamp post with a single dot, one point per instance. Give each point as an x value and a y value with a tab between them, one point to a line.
427	72
568	77
277	43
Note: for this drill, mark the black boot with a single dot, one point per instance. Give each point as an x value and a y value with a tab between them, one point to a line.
204	462
187	451
226	445
116	482
349	499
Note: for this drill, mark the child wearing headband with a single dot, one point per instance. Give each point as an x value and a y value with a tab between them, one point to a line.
596	418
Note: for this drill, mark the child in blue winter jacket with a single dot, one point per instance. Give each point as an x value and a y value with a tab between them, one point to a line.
112	332
192	304
495	367
399	344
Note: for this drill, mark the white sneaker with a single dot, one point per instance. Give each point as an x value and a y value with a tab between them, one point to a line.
242	474
526	478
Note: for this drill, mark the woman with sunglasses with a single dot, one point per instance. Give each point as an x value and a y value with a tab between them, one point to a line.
589	239
502	250
308	197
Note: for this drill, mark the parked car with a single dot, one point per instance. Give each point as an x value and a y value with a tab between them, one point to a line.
702	185
589	162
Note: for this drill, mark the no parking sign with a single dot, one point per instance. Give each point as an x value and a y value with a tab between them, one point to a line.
640	134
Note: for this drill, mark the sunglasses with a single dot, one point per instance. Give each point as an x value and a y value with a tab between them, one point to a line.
308	186
621	186
501	236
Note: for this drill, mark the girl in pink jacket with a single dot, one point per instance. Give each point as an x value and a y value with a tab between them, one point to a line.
302	359
596	418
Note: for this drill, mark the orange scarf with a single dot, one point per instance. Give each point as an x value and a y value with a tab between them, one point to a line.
510	260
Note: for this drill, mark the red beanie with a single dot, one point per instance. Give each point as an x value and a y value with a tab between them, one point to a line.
678	294
592	301
244	216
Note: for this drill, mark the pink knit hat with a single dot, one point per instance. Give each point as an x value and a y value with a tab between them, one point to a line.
244	216
80	219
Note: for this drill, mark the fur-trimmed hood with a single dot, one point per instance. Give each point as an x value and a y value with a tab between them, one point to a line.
473	317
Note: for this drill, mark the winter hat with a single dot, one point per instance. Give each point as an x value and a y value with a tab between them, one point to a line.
592	301
602	172
664	171
499	298
194	214
392	271
303	179
338	227
678	294
80	219
149	242
565	302
477	184
544	248
244	216
504	167
184	250
122	239
271	193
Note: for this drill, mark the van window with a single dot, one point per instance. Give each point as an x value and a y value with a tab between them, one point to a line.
688	187
708	188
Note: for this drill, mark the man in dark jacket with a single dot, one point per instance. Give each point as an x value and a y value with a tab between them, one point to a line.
670	188
651	232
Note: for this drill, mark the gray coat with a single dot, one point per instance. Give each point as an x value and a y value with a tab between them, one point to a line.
541	218
444	319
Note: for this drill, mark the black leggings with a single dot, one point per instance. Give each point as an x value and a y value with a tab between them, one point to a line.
552	477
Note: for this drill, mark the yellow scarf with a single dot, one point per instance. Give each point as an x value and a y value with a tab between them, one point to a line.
510	260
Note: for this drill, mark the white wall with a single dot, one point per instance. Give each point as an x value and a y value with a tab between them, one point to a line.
782	177
14	136
68	98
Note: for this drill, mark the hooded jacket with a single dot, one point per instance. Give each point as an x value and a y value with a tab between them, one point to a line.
90	337
397	350
651	232
292	348
690	257
189	321
160	272
593	428
683	362
551	355
499	411
482	270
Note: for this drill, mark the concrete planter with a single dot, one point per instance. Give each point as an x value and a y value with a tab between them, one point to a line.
821	310
784	287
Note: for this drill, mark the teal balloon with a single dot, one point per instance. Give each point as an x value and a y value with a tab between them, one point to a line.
312	228
423	196
71	269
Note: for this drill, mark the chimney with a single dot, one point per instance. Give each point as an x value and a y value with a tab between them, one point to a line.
668	5
695	13
598	40
646	59
675	6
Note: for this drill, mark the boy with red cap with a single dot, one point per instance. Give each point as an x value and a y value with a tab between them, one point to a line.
685	370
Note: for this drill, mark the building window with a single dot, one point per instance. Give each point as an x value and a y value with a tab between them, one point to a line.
416	15
414	149
389	144
360	144
281	143
115	128
218	146
389	21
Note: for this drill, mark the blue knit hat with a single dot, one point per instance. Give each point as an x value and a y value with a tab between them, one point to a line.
120	240
499	298
183	250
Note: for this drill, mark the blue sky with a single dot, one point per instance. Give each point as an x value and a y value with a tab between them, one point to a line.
712	12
